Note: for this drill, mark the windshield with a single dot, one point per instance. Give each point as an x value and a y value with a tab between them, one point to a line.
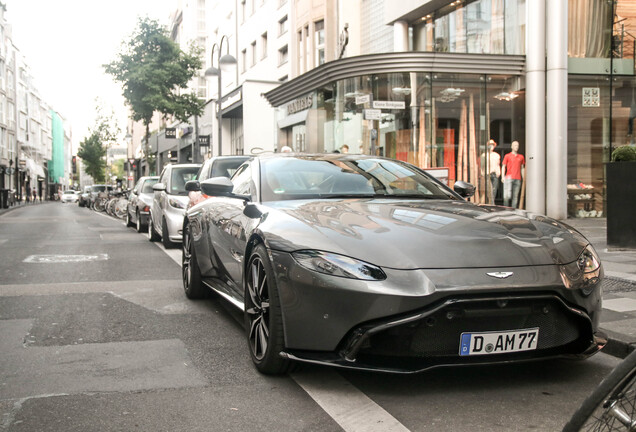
147	188
316	177
69	192
101	188
179	177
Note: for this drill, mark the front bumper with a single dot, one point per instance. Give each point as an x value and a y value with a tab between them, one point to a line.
413	320
174	221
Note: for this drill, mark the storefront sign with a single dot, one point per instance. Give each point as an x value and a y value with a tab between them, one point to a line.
591	97
300	104
204	140
171	133
363	99
389	104
372	114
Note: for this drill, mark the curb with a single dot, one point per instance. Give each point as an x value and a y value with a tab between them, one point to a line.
617	344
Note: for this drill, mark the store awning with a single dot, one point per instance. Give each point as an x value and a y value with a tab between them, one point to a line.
299	117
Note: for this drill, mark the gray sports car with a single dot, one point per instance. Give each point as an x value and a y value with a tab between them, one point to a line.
366	262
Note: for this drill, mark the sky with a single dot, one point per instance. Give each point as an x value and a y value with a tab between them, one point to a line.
66	42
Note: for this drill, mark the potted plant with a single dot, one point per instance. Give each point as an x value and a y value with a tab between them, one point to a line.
621	197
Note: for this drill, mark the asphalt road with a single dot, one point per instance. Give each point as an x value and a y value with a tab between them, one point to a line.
96	335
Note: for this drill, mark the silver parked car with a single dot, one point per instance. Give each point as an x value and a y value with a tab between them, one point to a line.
169	202
139	203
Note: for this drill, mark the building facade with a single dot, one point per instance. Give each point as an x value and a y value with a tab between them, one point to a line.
448	77
26	125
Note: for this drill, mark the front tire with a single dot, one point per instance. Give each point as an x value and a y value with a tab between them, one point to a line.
152	234
190	272
165	239
263	316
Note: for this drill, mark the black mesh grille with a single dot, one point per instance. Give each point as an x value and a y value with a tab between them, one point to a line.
439	334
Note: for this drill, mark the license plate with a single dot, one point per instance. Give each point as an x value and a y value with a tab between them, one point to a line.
486	343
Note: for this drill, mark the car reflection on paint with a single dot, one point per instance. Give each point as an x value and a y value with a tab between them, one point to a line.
365	262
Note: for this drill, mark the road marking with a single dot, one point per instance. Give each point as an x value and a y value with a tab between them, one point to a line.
54	259
349	407
620	304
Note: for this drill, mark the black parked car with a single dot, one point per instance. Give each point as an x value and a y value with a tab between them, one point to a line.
365	262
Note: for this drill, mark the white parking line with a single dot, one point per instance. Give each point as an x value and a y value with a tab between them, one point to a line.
349	407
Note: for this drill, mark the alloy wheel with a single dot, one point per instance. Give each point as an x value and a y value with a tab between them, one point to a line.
186	260
258	308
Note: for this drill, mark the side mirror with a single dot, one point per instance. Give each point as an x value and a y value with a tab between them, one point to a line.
158	187
465	190
193	186
216	186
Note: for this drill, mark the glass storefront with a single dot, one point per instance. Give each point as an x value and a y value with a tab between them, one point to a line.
441	122
479	26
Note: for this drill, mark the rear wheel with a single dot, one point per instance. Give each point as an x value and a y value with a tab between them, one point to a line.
140	227
152	234
129	222
165	239
190	272
263	317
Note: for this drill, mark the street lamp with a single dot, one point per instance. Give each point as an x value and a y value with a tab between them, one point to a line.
224	62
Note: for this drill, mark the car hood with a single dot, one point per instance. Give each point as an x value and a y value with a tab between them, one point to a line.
410	234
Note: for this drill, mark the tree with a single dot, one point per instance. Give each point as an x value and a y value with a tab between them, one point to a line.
93	153
152	69
94	148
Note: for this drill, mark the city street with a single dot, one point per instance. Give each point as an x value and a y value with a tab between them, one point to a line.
97	335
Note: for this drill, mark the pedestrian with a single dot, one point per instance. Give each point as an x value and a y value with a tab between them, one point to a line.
35	195
512	173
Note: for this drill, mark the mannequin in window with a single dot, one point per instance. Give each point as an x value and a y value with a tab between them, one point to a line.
491	169
512	173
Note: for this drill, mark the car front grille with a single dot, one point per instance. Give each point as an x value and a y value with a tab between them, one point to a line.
434	335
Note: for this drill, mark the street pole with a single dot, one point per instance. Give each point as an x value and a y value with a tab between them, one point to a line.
219	113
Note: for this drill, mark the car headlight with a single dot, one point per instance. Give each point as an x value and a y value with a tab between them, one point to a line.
338	265
584	273
176	203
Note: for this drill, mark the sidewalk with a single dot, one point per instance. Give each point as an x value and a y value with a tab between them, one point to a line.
618	319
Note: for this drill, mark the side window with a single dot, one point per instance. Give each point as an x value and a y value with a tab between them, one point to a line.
243	180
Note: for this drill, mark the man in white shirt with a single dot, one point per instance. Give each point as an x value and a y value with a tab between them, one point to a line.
491	168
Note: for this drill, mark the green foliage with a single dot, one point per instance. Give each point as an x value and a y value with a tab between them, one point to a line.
93	149
152	68
117	168
624	153
93	153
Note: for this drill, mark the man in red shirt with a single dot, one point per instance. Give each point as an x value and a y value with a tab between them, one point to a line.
512	173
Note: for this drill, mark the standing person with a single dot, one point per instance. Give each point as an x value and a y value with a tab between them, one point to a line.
512	173
35	195
493	168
